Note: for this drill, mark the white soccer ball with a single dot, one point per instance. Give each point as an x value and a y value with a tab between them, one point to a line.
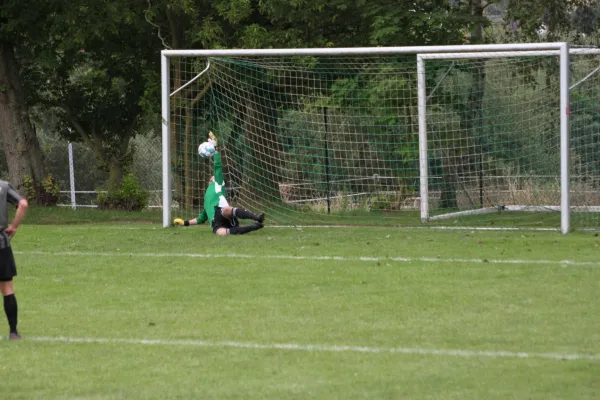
206	150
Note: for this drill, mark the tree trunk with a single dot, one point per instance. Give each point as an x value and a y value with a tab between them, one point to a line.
176	104
117	162
476	105
188	167
115	174
470	121
19	140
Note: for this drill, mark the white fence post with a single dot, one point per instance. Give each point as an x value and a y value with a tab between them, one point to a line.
72	177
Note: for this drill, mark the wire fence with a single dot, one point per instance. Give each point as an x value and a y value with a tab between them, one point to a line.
81	189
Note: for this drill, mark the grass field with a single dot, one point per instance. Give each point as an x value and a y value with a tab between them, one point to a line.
117	307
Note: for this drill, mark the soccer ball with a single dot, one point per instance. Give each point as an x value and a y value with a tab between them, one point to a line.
206	150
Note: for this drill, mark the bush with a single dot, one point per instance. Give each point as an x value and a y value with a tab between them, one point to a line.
45	193
130	196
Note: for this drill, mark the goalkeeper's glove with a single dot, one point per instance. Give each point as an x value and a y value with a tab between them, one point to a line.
212	139
179	221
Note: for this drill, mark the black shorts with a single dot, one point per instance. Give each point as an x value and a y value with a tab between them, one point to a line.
8	268
221	221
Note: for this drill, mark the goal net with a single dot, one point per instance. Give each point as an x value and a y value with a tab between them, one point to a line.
584	91
335	138
493	133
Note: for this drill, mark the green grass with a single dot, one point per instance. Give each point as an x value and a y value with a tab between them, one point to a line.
64	215
524	220
193	291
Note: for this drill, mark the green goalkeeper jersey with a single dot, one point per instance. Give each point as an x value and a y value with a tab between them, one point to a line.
215	193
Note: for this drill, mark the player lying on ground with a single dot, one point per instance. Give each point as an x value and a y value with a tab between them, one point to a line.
223	218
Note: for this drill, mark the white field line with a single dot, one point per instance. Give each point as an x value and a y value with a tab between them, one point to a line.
314	258
143	226
322	348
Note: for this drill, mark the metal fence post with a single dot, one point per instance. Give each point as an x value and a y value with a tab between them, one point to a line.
72	177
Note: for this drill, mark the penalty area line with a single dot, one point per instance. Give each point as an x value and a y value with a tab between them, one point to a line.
315	258
321	348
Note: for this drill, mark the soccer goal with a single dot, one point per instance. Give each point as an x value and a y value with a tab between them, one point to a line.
447	135
495	134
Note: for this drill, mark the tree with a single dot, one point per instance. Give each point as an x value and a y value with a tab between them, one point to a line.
544	19
585	18
280	23
179	25
19	141
90	61
471	114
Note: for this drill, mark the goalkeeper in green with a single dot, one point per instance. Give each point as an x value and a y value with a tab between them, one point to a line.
223	218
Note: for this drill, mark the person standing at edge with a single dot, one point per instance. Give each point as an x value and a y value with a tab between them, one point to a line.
8	268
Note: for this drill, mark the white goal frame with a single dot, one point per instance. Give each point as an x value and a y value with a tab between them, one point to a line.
563	52
423	53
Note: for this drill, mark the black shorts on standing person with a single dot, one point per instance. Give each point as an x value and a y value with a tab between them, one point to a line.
8	268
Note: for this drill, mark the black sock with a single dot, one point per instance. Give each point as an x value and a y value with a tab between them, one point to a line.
243	213
11	310
240	230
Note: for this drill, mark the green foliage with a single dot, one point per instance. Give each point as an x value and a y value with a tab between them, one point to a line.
100	60
424	22
129	196
306	23
44	193
585	130
550	20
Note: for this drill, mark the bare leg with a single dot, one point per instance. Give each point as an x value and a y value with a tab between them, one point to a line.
6	288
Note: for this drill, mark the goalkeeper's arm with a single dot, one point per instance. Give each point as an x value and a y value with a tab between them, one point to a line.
202	218
219	178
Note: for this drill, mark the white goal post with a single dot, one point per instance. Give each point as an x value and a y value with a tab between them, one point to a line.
559	50
563	52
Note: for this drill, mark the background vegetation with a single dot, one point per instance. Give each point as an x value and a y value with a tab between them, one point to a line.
88	71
